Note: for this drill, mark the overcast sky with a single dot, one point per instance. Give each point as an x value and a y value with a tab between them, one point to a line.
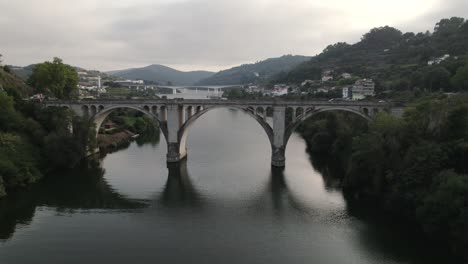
197	34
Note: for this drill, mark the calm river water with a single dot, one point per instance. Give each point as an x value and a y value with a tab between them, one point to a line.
224	205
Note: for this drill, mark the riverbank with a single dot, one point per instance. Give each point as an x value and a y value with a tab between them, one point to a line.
413	167
109	142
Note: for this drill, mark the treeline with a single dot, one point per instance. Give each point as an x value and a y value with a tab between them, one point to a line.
397	61
413	167
34	140
134	121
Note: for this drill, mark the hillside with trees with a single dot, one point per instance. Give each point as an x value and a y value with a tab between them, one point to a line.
34	140
411	169
396	61
254	73
162	75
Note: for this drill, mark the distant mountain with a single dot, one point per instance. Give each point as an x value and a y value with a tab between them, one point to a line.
26	71
257	72
11	82
162	74
23	72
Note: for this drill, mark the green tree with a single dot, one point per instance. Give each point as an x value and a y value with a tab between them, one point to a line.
460	79
444	212
382	37
446	27
437	78
55	78
9	118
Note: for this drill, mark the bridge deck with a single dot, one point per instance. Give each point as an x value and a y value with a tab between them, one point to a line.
291	103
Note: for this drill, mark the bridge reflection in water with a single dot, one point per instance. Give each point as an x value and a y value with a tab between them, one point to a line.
92	193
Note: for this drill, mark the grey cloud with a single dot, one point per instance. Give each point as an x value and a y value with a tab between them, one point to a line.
203	34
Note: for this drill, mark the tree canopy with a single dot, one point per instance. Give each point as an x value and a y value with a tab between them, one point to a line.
460	79
55	78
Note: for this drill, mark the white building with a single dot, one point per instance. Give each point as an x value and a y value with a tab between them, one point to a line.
346	75
438	60
280	89
307	82
363	88
347	92
254	89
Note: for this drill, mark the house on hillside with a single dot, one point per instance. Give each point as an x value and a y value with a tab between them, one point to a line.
363	88
347	92
327	76
438	60
346	75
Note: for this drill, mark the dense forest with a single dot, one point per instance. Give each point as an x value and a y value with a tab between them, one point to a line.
414	168
35	141
396	61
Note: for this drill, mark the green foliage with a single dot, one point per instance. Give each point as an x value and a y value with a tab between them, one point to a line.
134	121
460	79
382	37
18	161
55	78
34	141
9	118
7	69
414	166
444	213
396	62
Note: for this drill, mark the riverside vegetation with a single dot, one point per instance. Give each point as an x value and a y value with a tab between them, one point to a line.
35	141
414	168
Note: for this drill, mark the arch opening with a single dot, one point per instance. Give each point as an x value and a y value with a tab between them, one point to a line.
100	117
183	131
293	126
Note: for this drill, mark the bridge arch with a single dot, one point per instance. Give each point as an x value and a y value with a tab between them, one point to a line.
99	117
184	129
300	119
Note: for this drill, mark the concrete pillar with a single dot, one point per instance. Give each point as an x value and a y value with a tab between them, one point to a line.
189	112
173	124
181	116
294	109
278	147
163	113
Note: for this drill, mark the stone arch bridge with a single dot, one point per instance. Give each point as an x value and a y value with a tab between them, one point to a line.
278	118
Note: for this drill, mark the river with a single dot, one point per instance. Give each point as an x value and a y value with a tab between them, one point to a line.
225	204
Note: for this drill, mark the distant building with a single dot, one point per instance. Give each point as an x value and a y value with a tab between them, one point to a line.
327	76
130	82
280	89
254	89
346	75
363	88
347	92
438	60
307	82
322	90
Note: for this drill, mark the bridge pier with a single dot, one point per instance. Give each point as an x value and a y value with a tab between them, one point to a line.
278	146
174	116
